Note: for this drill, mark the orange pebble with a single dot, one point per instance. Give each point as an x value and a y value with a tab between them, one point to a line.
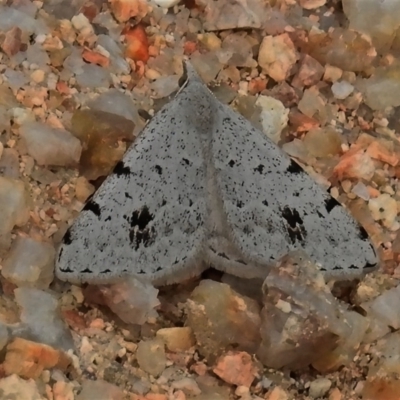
373	192
93	57
189	47
137	47
62	87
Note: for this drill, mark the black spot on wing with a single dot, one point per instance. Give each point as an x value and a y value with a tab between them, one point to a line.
331	203
295	228
320	215
363	233
121	169
93	207
60	254
294	168
141	218
68	270
259	169
67	239
158	169
292	217
141	233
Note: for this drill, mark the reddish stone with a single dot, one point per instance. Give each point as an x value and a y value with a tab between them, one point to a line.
310	72
257	85
189	48
62	87
124	10
93	57
137	44
301	123
12	41
74	320
90	10
28	359
236	368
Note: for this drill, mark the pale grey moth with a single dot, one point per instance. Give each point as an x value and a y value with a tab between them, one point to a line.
202	187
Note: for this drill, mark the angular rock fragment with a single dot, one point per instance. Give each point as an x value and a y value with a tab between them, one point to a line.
100	390
386	356
346	49
382	313
123	10
302	322
310	72
228	14
236	368
221	319
273	116
323	142
40	319
363	14
342	89
277	56
100	133
28	359
177	338
132	300
137	44
14	387
207	65
29	263
311	4
384	208
115	102
381	90
319	387
14	208
49	146
313	105
237	51
355	163
93	76
151	357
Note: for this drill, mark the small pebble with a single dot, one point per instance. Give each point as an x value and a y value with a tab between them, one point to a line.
151	357
49	146
30	263
319	387
342	89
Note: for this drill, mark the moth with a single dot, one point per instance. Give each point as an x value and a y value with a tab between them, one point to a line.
202	187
